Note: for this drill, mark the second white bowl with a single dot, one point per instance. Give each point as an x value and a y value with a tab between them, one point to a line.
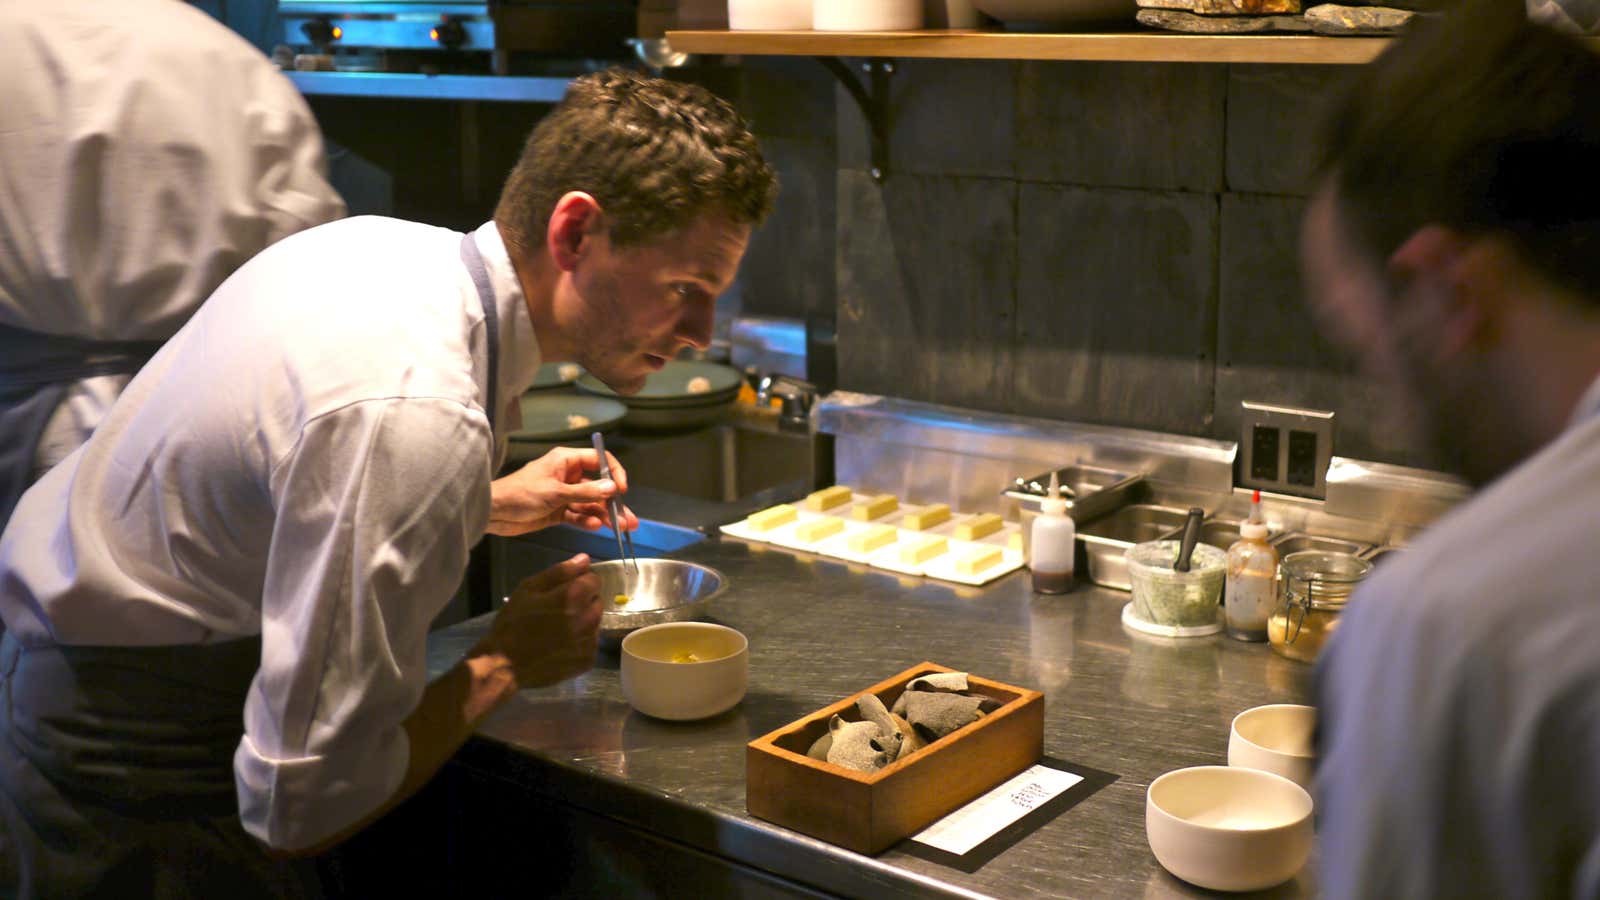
1228	829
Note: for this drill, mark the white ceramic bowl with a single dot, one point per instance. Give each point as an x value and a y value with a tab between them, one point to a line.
1275	739
769	15
854	15
1228	829
658	686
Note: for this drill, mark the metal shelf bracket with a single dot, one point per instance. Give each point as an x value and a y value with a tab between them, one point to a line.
873	99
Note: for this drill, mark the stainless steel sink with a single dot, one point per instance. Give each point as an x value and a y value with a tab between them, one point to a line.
1107	539
1294	542
1220	533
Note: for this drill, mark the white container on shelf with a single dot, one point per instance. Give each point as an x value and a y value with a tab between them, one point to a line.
950	14
867	15
769	15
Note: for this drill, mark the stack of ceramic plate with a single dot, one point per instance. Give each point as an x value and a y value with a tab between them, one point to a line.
557	418
684	394
555	375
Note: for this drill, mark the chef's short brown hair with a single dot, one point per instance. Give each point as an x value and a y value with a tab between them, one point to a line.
1480	121
655	154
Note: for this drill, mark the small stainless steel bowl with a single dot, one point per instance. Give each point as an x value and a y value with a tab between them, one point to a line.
663	590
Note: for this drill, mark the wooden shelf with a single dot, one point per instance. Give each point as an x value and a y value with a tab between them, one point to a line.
1117	46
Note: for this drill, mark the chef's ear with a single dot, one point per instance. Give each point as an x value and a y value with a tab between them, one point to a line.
573	223
1452	284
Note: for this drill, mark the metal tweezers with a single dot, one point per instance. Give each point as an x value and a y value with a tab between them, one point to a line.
614	506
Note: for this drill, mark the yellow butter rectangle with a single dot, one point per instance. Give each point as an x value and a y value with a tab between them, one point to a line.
977	562
777	516
874	538
1015	541
980	527
928	518
817	529
828	498
923	550
876	508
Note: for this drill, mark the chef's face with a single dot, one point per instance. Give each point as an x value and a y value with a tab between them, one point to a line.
636	307
1393	330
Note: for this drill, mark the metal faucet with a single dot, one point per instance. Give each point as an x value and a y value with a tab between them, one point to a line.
797	398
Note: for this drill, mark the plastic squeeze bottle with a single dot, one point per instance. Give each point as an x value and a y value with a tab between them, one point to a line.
1252	580
1053	543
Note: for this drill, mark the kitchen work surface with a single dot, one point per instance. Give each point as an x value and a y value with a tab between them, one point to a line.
820	630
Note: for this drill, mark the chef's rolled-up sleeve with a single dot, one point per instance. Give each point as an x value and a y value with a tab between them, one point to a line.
378	505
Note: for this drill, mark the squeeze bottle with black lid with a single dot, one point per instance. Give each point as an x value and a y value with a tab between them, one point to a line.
1052	545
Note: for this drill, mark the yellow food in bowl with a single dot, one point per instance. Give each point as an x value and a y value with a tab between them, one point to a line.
620	600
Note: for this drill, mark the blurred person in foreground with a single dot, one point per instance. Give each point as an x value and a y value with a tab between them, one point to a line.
1453	242
146	152
218	608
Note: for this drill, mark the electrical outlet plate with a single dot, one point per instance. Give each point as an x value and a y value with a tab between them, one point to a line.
1285	450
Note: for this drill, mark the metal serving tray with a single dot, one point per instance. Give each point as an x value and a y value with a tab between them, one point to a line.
1090	491
1106	539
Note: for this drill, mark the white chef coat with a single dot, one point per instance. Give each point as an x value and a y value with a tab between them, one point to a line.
1460	697
308	459
146	152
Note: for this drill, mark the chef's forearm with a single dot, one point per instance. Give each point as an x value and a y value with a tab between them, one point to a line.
451	707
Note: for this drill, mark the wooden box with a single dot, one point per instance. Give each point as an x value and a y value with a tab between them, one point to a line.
870	812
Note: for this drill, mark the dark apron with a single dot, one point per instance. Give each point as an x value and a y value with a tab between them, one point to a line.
35	371
116	763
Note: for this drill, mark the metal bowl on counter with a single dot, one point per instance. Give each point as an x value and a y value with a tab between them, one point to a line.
662	590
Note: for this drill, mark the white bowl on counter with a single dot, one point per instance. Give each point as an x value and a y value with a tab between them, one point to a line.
1227	828
1275	739
685	670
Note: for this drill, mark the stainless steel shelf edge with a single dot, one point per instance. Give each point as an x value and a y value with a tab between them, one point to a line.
1398	495
855	418
510	89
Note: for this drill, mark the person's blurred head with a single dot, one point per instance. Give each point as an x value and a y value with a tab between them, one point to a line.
643	192
1453	238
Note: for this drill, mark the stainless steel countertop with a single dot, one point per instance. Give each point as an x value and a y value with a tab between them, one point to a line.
820	630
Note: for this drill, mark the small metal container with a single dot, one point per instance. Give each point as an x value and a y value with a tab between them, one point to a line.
1090	491
1106	540
1296	541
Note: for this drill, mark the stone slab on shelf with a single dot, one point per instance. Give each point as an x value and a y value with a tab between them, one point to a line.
1189	23
1334	19
1228	7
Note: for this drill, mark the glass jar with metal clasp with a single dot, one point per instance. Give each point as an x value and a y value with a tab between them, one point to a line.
1314	586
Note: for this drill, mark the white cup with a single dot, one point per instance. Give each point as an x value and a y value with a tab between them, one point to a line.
769	15
1275	739
867	15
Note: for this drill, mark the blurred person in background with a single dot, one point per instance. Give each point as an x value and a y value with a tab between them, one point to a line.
1453	243
146	152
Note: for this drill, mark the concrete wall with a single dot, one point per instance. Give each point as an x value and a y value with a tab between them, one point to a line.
1102	242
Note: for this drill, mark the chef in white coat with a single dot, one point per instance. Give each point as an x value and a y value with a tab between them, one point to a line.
252	546
146	152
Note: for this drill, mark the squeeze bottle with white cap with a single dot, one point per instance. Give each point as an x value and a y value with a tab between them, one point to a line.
1251	589
1052	544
